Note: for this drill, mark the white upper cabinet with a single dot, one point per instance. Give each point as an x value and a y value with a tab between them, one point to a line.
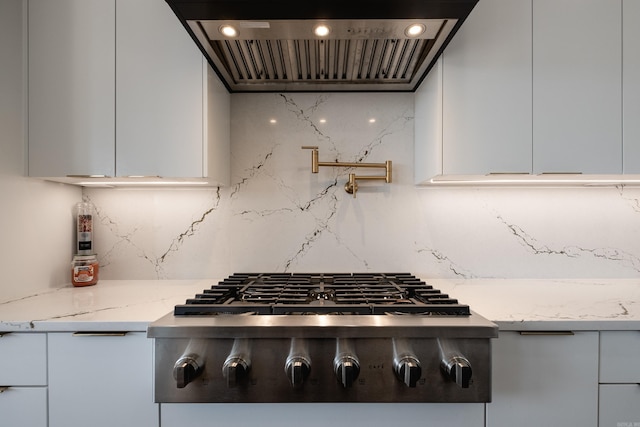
534	86
159	93
631	85
487	91
577	98
71	87
165	113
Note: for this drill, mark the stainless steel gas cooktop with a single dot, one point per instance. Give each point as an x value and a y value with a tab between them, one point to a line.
325	337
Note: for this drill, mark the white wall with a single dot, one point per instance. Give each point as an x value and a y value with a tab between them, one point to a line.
36	218
277	216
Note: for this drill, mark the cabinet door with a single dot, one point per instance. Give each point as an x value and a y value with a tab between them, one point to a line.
159	74
23	359
577	60
71	87
544	380
101	381
487	91
631	85
23	406
619	405
322	415
619	357
23	365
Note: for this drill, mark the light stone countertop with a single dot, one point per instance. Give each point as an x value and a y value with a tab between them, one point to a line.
110	305
551	304
514	304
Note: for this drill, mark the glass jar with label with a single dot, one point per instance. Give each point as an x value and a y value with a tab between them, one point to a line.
84	270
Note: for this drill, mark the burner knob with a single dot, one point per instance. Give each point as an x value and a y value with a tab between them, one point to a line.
405	363
347	369
345	364
408	370
236	367
297	369
234	370
458	369
186	369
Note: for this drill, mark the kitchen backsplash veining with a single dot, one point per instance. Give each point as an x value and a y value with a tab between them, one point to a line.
278	216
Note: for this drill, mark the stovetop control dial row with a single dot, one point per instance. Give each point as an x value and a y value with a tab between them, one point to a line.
346	365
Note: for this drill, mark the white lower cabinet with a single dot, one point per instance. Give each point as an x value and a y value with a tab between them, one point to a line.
23	379
23	406
619	404
544	380
101	380
322	414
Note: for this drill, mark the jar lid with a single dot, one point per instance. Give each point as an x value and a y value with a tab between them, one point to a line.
84	257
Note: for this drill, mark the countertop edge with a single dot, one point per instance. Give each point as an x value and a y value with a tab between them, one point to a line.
514	305
141	326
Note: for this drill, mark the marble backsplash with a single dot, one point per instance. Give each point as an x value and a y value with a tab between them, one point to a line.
277	216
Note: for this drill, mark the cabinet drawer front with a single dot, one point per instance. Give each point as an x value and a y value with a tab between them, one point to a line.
322	414
24	407
101	380
619	405
23	359
619	352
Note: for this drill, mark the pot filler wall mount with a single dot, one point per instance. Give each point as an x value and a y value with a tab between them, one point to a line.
330	45
339	337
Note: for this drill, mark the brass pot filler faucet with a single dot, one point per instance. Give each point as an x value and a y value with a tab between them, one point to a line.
351	186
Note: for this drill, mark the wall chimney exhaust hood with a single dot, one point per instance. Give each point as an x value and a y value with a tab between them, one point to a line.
327	45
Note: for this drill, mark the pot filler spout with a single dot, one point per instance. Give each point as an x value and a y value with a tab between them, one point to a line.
333	45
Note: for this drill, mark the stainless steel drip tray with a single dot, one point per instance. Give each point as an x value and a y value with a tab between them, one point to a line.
322	326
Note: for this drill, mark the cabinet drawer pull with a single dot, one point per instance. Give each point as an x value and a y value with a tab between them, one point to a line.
507	173
4	333
561	173
100	334
545	333
3	389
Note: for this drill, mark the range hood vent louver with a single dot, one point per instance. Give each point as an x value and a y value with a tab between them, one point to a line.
367	50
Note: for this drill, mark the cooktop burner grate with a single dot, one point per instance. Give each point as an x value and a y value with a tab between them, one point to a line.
337	293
